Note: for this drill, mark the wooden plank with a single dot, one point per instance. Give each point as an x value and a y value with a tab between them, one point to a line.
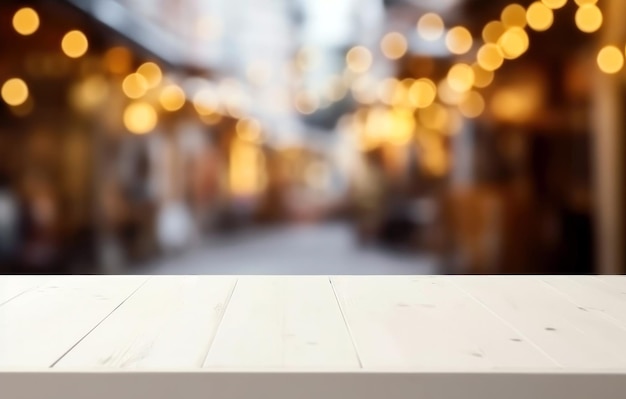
424	322
168	323
13	286
592	295
38	327
283	322
573	337
311	385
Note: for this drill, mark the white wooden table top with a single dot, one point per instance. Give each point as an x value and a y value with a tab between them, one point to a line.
565	327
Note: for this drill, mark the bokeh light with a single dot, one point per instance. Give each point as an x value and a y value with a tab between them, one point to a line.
307	58
448	95
306	103
514	104
172	98
434	117
482	77
359	59
386	90
90	93
140	118
492	31
539	17
14	92
422	93
206	102
461	77
394	45
472	105
402	125
75	44
610	59
490	57
554	4
151	73
514	42
514	15
248	129
459	40
134	85
589	18
430	27
26	21
118	60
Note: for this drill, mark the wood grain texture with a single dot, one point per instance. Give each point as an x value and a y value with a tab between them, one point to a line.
425	322
169	322
39	326
547	325
572	336
13	286
283	322
592	295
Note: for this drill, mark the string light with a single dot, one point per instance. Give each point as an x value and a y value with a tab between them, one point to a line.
490	57
90	93
134	85
140	118
459	40
394	45
26	21
205	101
461	77
554	4
514	42
172	98
492	31
74	44
14	92
448	95
514	15
118	60
387	89
430	27
151	73
539	17
248	129
306	103
359	59
473	105
434	117
588	18
610	59
422	93
482	77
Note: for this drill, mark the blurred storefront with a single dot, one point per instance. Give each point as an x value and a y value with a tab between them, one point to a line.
486	133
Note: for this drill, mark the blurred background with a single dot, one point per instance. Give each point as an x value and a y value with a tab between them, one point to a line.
312	136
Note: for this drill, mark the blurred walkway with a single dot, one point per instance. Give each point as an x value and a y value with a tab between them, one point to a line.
303	250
